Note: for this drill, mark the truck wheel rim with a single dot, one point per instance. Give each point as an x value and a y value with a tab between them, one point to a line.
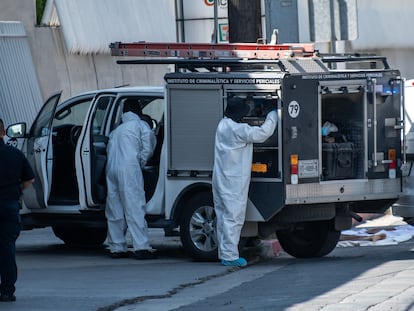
203	228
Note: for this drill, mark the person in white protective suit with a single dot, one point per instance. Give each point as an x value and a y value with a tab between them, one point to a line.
130	145
233	157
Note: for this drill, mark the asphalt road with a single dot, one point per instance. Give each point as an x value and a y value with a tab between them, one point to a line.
55	277
359	278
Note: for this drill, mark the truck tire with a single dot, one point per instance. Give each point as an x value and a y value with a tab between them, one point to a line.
310	239
198	227
80	235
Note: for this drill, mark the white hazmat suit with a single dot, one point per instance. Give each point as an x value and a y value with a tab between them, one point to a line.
231	178
130	145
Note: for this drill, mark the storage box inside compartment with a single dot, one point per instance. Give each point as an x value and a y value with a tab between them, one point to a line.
343	149
338	161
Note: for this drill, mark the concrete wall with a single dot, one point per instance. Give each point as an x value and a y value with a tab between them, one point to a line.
385	27
58	70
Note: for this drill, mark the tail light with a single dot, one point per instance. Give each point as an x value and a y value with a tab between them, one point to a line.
392	156
294	161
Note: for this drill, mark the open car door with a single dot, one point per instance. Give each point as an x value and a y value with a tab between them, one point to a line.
90	155
40	154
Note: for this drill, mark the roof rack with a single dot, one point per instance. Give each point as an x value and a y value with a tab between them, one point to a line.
353	58
211	65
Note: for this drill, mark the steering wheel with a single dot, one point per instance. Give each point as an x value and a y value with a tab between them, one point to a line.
150	121
74	134
154	124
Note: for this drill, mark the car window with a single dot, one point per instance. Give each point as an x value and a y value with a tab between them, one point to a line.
74	114
154	108
41	125
101	115
151	106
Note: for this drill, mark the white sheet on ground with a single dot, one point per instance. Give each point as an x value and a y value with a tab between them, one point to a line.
364	237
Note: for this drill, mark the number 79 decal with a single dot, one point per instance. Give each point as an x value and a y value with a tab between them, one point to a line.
293	109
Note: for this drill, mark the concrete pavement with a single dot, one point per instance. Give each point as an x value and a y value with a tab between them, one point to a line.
236	278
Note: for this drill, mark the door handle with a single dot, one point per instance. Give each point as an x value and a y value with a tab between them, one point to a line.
374	104
399	124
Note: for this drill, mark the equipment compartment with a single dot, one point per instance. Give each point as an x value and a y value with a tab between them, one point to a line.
343	145
265	162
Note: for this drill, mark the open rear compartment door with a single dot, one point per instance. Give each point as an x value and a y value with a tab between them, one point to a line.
343	130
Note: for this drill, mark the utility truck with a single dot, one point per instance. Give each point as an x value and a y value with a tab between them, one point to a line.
336	151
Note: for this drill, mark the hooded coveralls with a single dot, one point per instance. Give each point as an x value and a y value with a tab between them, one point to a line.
231	177
130	145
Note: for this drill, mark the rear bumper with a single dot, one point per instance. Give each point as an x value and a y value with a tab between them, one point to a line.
343	191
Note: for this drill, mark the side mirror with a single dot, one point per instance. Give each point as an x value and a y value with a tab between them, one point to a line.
17	130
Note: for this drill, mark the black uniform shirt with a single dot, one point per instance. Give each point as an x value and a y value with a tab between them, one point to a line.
14	169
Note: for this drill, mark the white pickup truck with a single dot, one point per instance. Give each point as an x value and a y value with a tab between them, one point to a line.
66	146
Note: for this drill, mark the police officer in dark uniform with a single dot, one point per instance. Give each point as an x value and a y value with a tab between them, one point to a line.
15	175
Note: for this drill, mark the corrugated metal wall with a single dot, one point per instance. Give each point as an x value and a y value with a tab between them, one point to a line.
88	26
20	96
